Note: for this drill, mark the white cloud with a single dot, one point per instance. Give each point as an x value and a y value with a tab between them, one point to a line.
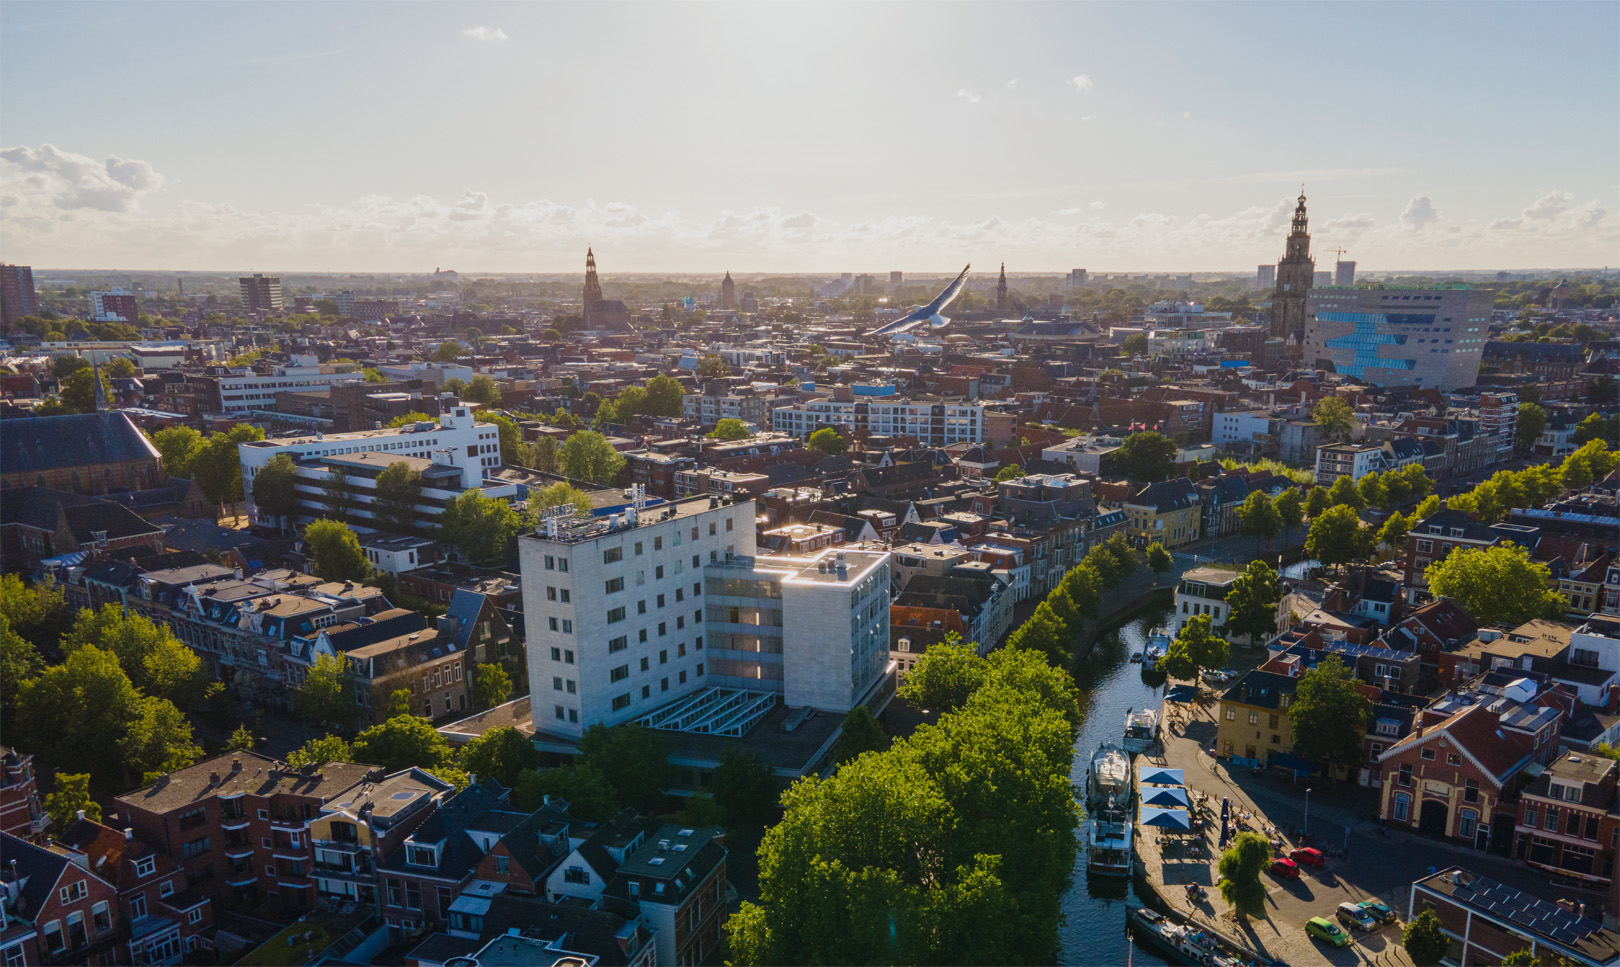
1080	82
1012	84
489	35
1549	205
1186	115
35	182
1088	117
1420	213
968	96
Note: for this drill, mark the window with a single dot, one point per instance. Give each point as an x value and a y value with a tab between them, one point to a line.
618	644
560	712
621	701
576	874
663	628
660	600
696	562
12	956
1275	721
1427	755
1254	717
53	936
551	565
568	657
551	593
646	691
146	866
1467	820
663	685
101	917
1405	777
658	543
562	565
613	555
641	636
658	572
1551	820
620	673
572	686
568	626
1530	816
1453	759
195	848
683	677
1403	806
556	683
166	888
615	615
1231	714
194	916
614	585
638	548
1471	791
663	658
553	625
643	664
556	654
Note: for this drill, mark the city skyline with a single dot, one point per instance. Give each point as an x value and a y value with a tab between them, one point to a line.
505	139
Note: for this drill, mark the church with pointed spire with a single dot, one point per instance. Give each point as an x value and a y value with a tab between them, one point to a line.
1296	273
1001	291
596	312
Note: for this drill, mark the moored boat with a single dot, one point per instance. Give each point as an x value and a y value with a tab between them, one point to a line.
1141	730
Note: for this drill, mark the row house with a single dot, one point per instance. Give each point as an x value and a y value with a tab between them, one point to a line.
425	663
1569	821
368	821
1589	579
168	921
1484	921
57	910
437	859
238	825
1252	726
1167	513
42	526
972	600
1221	496
21	814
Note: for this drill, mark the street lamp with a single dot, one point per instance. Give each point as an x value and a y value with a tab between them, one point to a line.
1306	827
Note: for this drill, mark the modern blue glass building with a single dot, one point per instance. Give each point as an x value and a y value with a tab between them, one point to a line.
1394	336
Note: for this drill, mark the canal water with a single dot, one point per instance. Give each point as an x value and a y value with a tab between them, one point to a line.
1110	685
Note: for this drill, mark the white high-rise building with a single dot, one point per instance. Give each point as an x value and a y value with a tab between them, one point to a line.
933	423
665	616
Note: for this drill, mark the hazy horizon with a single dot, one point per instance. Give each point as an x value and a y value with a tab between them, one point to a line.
806	138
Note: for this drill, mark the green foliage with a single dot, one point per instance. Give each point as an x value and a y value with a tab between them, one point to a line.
373	376
20	663
1335	537
1427	507
399	490
399	703
828	441
78	393
491	686
414	416
1317	502
1046	634
861	733
634	761
544	455
729	429
457	779
325	700
177	444
1195	648
72	794
336	551
1405	484
483	390
401	742
216	466
74	714
510	435
1252	602
155	660
1011	471
1334	415
119	367
700	810
318	752
745	789
1290	507
65	365
1532	420
1148	456
1112	561
589	794
273	493
500	754
480	527
38	613
1345	493
1240	867
1259	516
558	494
664	397
1597	427
1393	534
712	366
336	495
1136	344
1372	491
1328	715
158	740
1425	940
1158	559
1498	585
1523	957
448	352
945	676
587	455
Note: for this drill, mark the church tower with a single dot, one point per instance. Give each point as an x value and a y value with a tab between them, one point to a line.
1001	291
728	292
1295	275
593	289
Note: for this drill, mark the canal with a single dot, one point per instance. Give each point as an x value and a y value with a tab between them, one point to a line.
1110	685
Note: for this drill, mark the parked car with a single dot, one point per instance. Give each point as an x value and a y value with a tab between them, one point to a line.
1379	910
1219	676
1308	856
1285	869
1352	915
1327	931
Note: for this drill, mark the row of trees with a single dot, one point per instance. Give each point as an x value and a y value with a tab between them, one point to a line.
1059	618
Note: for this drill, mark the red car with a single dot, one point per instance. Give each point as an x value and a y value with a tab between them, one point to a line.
1306	856
1285	869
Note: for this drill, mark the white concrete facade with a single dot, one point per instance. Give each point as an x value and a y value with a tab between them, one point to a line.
239	394
932	423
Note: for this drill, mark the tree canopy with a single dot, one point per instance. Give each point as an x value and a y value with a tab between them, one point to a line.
828	441
1335	537
216	464
399	491
1425	940
1334	415
729	429
634	761
1252	602
479	526
325	699
501	754
1240	867
491	686
273	493
1328	715
1158	559
1259	516
1195	648
401	742
1532	420
1147	456
861	733
1498	585
587	455
336	551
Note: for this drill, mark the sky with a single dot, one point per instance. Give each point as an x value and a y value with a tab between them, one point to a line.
821	137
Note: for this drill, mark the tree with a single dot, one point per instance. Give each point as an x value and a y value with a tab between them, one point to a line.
483	390
74	714
1252	602
712	366
1425	939
1290	509
500	754
1195	648
1241	866
448	352
216	466
399	491
1372	491
1426	508
510	436
1393	534
729	429
1317	501
336	551
545	454
1344	493
326	697
335	494
407	419
157	741
634	760
1147	456
1328	715
78	392
399	703
120	367
491	686
745	788
1335	536
1046	634
1136	344
587	791
402	742
39	613
177	444
1158	559
318	752
1523	957
861	733
559	494
587	455
1334	415
72	794
273	493
480	527
65	365
1011	471
1532	420
1498	585
1597	427
665	397
827	440
1406	484
156	662
20	664
1259	517
944	677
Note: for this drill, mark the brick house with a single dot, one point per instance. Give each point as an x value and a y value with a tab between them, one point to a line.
1456	778
366	822
678	878
436	860
241	821
167	920
1432	538
21	814
37	523
1568	824
57	911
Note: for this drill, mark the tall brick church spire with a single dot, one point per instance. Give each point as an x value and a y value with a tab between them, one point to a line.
593	289
1001	291
1295	275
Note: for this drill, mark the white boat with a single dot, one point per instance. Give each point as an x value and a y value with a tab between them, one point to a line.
1158	643
1107	836
1109	776
1141	730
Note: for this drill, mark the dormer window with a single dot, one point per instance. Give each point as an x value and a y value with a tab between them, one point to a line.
145	866
418	855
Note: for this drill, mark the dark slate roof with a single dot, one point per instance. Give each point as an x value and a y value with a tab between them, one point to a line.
37	868
590	932
448	825
383	626
49	442
1264	689
1167	495
43	508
